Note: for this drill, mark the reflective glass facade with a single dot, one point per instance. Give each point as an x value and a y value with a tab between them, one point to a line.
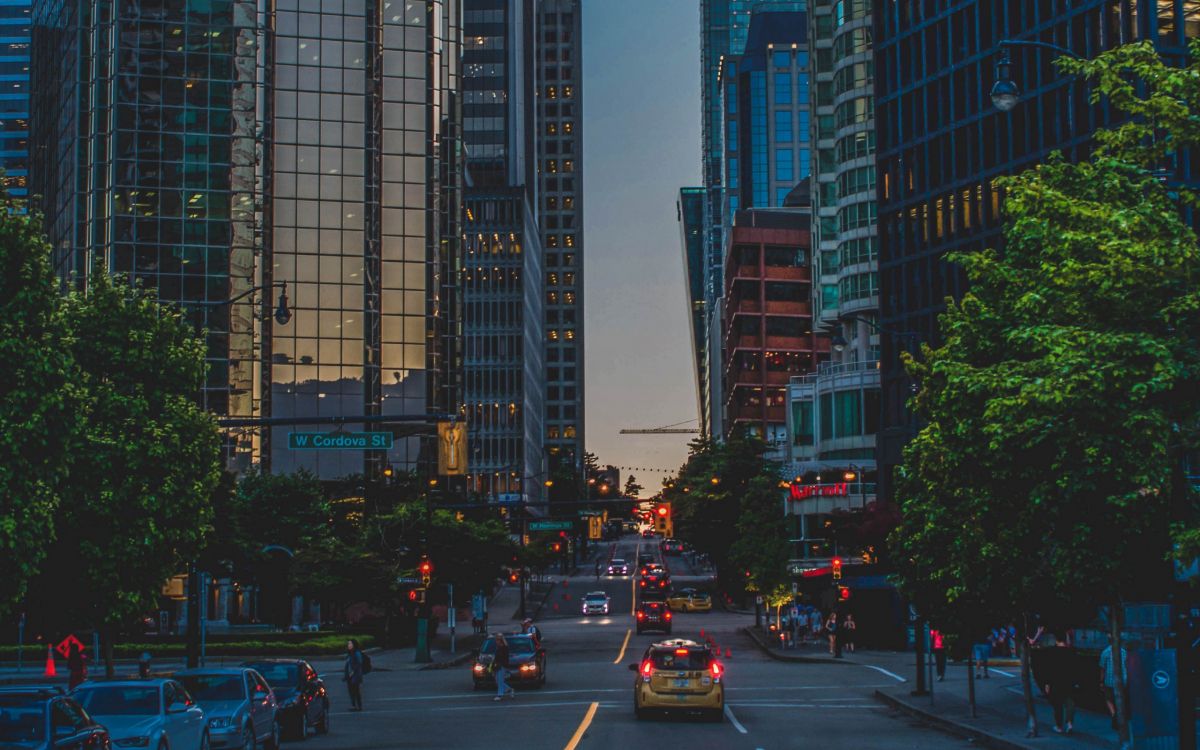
942	143
15	38
364	219
689	210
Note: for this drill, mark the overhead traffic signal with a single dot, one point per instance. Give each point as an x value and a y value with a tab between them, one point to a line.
662	519
836	567
843	593
426	571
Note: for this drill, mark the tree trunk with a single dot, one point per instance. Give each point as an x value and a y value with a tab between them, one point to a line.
1115	616
106	638
1027	679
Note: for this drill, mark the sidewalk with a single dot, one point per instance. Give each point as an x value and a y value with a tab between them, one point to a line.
1000	720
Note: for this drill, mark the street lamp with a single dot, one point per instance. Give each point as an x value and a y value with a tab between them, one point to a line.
282	315
1006	92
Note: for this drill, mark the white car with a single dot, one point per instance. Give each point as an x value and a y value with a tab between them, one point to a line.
595	603
146	713
618	567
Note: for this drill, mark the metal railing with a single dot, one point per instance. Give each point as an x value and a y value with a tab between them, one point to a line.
834	369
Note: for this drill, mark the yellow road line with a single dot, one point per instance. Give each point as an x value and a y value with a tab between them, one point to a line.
583	727
620	656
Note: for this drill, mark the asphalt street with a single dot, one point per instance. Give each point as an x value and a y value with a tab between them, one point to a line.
587	701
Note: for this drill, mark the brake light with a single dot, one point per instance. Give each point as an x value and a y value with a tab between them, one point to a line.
681	652
643	584
647	669
641	615
667	615
717	671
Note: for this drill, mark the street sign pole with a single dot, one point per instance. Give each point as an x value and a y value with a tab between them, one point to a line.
451	618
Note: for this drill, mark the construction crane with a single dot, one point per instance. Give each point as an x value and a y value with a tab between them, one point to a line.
671	429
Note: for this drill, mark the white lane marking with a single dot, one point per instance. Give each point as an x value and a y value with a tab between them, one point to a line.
881	670
1002	672
733	720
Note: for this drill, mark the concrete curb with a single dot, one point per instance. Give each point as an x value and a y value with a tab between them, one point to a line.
457	661
949	726
757	639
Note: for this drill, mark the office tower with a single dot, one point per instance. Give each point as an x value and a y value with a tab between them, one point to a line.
942	143
15	38
724	27
835	410
363	158
144	128
689	212
502	283
559	138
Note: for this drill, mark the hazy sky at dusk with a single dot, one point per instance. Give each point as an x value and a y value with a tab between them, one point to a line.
641	143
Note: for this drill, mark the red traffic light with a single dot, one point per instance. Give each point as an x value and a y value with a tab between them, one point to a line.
843	593
412	595
513	577
662	510
556	547
426	567
836	566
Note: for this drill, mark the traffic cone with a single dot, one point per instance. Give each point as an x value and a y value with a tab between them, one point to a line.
701	633
728	653
50	669
556	606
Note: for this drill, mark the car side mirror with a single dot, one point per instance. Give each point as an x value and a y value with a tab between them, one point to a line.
633	667
177	707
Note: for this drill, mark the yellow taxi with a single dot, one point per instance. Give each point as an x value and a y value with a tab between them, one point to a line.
679	675
690	600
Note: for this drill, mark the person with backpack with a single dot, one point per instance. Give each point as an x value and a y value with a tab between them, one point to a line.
357	664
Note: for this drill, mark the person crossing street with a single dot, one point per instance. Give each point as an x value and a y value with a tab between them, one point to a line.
501	664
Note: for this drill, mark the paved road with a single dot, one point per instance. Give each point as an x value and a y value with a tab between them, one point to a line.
771	704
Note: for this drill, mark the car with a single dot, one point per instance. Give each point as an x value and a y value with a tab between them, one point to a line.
644	558
300	695
653	581
157	713
525	654
618	567
648	534
679	675
42	717
653	568
672	547
595	603
653	615
690	600
238	704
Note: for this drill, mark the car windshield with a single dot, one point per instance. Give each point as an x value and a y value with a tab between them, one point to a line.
670	659
278	675
119	700
652	606
214	687
22	718
699	595
617	561
595	597
517	646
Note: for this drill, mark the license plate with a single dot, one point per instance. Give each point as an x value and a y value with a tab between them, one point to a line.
681	683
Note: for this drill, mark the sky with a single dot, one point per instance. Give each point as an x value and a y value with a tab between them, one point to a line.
641	143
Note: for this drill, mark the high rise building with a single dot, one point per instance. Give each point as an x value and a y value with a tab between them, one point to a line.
559	139
15	41
209	148
724	28
144	129
503	283
942	143
689	212
364	165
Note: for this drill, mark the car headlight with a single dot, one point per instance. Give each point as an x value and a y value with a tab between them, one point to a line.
477	668
133	742
220	721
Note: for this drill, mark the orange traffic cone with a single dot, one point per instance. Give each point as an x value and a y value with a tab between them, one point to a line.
728	653
701	633
50	669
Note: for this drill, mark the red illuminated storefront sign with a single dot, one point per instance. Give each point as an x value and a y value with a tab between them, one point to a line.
803	491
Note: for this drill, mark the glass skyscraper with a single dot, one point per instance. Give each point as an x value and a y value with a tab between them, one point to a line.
689	212
15	38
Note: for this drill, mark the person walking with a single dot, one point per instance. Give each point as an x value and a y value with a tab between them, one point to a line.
597	571
831	627
76	666
528	628
501	665
1108	684
352	674
938	643
983	654
849	626
1061	672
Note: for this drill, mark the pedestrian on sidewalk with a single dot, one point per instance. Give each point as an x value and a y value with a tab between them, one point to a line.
833	627
983	654
938	642
1061	670
501	665
76	666
352	674
1107	681
849	626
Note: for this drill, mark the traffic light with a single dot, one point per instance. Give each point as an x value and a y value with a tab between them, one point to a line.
556	547
843	593
513	576
662	519
836	566
416	596
426	570
388	471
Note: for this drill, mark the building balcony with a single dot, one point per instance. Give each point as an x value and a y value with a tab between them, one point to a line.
744	307
788	308
734	342
773	414
757	377
786	273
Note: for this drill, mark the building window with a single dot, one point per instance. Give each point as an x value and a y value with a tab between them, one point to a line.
802	422
782	59
783	126
784	165
783	88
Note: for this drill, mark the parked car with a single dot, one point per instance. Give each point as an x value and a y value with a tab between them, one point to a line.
146	713
300	695
238	704
40	717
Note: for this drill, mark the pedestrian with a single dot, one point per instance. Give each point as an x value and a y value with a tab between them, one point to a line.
816	624
597	571
352	674
1010	635
831	627
849	628
983	654
938	642
501	665
144	666
76	665
1061	673
1108	683
528	628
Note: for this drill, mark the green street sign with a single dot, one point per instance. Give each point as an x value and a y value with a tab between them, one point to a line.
551	525
586	513
339	441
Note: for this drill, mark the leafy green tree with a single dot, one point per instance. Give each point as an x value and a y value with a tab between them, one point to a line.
36	404
139	499
632	488
761	547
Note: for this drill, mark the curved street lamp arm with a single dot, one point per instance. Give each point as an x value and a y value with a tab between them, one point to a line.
243	295
1005	43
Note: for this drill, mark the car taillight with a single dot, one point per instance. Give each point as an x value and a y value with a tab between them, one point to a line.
647	669
641	615
643	584
667	615
717	671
